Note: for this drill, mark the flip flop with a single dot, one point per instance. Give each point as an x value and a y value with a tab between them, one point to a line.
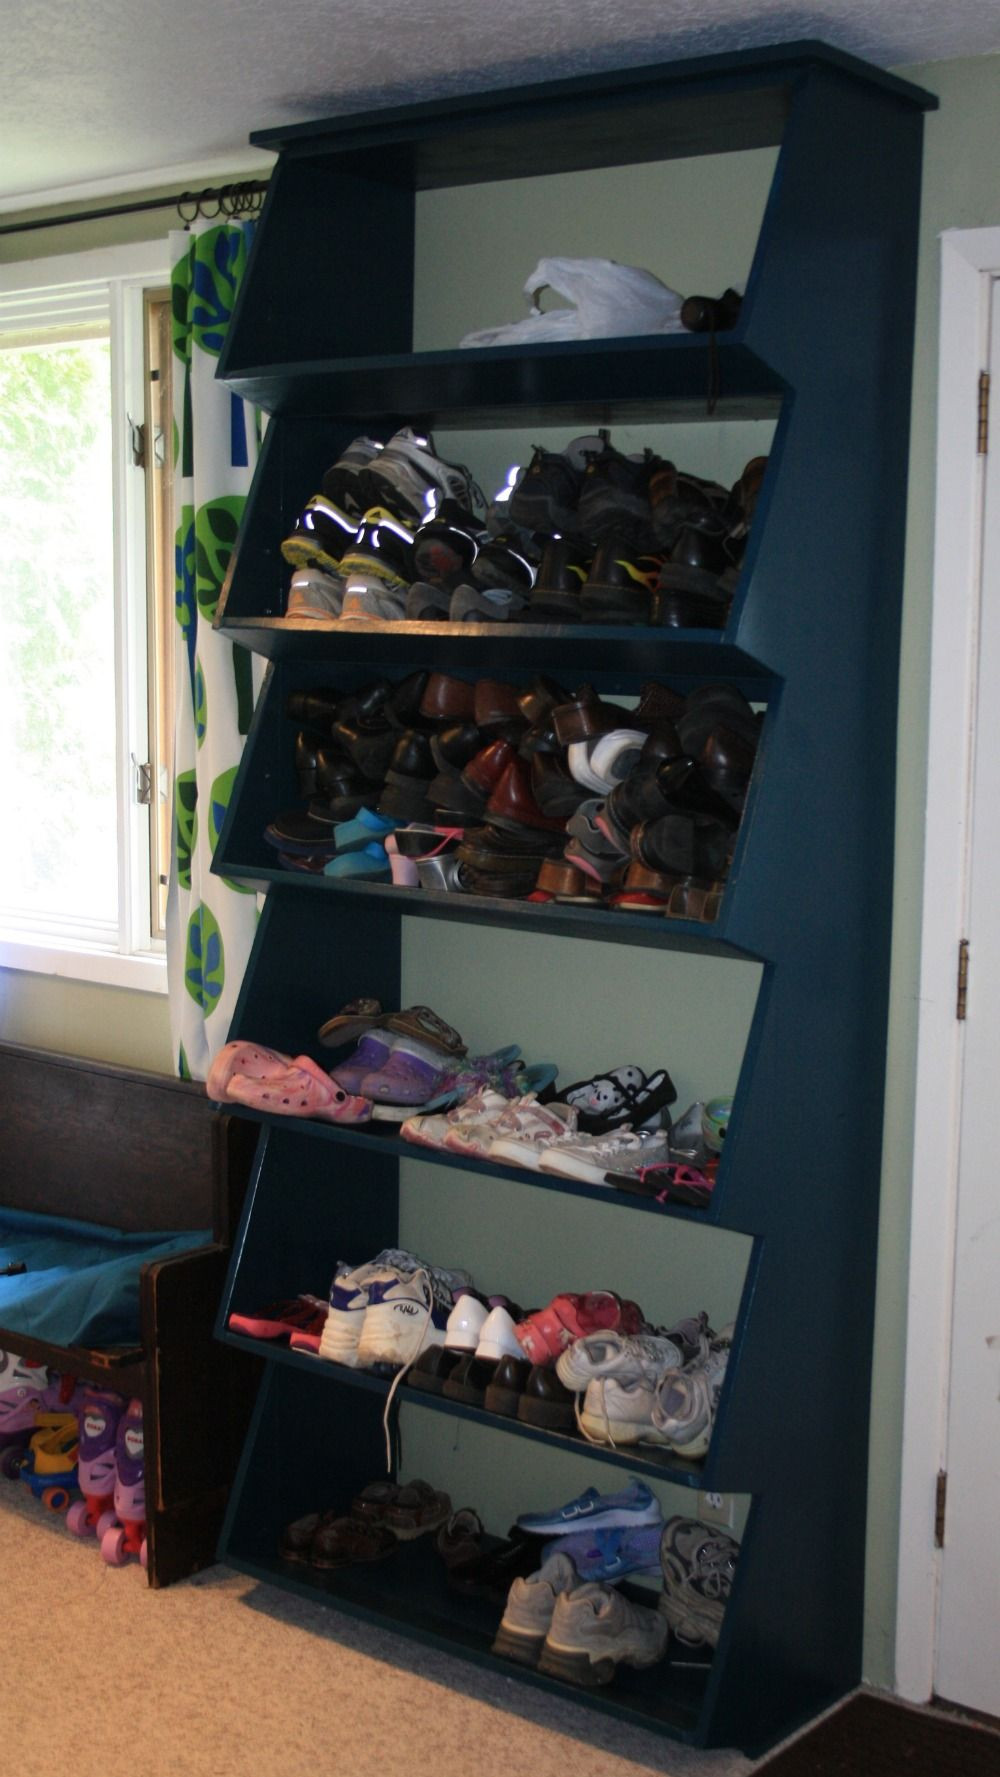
304	1090
250	1059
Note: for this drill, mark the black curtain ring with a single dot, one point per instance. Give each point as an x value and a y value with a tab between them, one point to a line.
187	198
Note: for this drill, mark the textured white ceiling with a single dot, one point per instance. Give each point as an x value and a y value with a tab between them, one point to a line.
98	93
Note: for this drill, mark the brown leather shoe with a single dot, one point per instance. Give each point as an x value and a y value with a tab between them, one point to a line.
695	900
512	804
564	882
505	1390
497	707
689	845
487	767
585	715
447	699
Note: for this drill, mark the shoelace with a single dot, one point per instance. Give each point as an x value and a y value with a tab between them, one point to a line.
426	1274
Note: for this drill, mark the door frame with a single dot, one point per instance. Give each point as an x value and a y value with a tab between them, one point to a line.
969	259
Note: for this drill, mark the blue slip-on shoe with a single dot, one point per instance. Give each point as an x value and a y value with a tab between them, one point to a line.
635	1504
367	827
370	862
611	1555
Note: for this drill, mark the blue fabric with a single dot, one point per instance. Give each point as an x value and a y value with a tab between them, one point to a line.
81	1286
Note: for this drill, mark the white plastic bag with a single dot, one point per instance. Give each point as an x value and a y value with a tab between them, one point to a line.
607	298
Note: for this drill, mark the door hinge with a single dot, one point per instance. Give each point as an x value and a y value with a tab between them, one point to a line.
962	998
940	1497
983	418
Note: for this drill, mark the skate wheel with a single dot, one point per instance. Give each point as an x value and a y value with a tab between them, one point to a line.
104	1523
55	1498
77	1520
113	1546
12	1461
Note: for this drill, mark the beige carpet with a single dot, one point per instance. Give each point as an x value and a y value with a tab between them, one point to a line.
221	1677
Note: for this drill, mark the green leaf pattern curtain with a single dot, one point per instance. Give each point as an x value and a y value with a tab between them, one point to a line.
210	921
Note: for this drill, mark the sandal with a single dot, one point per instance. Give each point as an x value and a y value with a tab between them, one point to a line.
416	1509
670	1181
408	1510
250	1059
304	1090
459	1539
427	1027
340	1542
351	1023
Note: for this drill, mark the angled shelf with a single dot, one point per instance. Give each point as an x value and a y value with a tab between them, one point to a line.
822	350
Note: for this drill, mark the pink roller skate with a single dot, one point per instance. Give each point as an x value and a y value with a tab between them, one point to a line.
99	1413
126	1534
22	1387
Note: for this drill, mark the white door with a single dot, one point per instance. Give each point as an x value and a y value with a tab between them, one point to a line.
968	1641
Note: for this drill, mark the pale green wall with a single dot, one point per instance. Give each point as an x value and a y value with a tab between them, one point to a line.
961	189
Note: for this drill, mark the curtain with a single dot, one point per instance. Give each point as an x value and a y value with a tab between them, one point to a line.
210	921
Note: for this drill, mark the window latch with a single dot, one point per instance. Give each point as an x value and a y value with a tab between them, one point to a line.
143	782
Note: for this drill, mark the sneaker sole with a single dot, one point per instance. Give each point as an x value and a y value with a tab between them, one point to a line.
518	1645
577	1667
615	1518
340	1344
621	1431
517	1152
591	1174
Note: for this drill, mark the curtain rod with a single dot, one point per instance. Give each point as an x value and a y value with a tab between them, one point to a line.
241	199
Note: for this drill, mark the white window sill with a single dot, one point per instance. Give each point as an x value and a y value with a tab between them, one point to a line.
146	973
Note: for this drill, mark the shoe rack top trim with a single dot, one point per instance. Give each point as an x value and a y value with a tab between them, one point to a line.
701	105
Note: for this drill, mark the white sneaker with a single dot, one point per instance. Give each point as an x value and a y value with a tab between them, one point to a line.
529	1132
619	1410
406	1312
592	1157
473	1135
687	1399
530	1607
627	1356
595	1629
349	1301
432	1127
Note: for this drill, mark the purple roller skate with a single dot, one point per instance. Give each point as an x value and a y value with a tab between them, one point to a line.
126	1534
22	1386
99	1413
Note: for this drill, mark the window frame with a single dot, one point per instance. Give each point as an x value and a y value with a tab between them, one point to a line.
135	959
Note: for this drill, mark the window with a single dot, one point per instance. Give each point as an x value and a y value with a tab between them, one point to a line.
86	627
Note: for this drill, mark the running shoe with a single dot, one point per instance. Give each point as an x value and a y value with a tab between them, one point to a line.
342	481
320	536
411	479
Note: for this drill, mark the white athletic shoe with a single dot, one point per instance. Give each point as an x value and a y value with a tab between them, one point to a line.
592	1157
619	1410
627	1356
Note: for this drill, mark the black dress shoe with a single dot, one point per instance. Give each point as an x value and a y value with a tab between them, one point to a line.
368	748
686	790
317	710
684	845
506	1387
453	747
432	1368
545	1401
711	314
726	761
469	1379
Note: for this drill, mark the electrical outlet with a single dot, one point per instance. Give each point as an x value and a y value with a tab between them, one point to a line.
716	1508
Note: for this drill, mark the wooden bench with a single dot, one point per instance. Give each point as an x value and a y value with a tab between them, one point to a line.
144	1153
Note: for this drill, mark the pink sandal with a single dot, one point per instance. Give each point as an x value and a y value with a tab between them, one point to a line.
303	1090
249	1059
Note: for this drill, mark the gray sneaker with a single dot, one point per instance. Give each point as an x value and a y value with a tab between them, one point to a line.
687	1399
698	1565
495	604
528	1612
595	1630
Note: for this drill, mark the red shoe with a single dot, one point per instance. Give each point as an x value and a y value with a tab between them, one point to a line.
279	1320
547	1332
